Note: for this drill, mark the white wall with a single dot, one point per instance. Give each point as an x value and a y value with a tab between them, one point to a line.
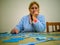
0	14
13	10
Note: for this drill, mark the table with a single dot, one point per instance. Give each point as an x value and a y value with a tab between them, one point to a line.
29	38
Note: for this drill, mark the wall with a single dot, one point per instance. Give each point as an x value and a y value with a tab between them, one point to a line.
0	14
13	10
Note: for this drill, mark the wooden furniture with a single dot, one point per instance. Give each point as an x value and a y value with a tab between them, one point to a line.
55	26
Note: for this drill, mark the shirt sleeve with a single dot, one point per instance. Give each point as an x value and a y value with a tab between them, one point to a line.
40	24
19	26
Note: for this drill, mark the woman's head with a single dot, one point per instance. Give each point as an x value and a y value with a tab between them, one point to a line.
34	8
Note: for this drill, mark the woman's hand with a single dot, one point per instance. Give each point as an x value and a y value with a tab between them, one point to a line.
14	31
34	16
35	13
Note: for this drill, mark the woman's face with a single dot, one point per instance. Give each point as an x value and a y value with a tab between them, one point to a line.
34	10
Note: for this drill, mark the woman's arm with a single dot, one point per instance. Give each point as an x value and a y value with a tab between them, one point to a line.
40	24
18	27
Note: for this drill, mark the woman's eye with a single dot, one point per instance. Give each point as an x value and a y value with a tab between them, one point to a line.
34	8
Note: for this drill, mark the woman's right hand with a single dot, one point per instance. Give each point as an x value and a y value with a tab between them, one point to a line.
14	31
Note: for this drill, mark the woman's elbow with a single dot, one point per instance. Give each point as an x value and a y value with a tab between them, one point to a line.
41	29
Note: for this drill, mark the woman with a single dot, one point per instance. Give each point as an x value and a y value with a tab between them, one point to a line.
34	22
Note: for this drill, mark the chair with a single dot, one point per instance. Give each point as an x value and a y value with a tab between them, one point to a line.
55	26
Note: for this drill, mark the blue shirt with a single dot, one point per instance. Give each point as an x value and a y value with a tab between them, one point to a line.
25	26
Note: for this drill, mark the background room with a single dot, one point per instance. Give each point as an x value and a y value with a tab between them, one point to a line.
11	11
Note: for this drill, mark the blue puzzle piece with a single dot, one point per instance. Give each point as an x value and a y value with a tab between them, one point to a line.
58	39
36	35
17	38
54	34
13	40
20	34
51	38
39	39
30	43
33	43
4	35
10	41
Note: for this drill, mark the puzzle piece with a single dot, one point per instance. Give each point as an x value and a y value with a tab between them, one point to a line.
4	35
54	34
13	40
20	34
39	39
51	38
45	40
30	43
33	43
35	35
58	39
